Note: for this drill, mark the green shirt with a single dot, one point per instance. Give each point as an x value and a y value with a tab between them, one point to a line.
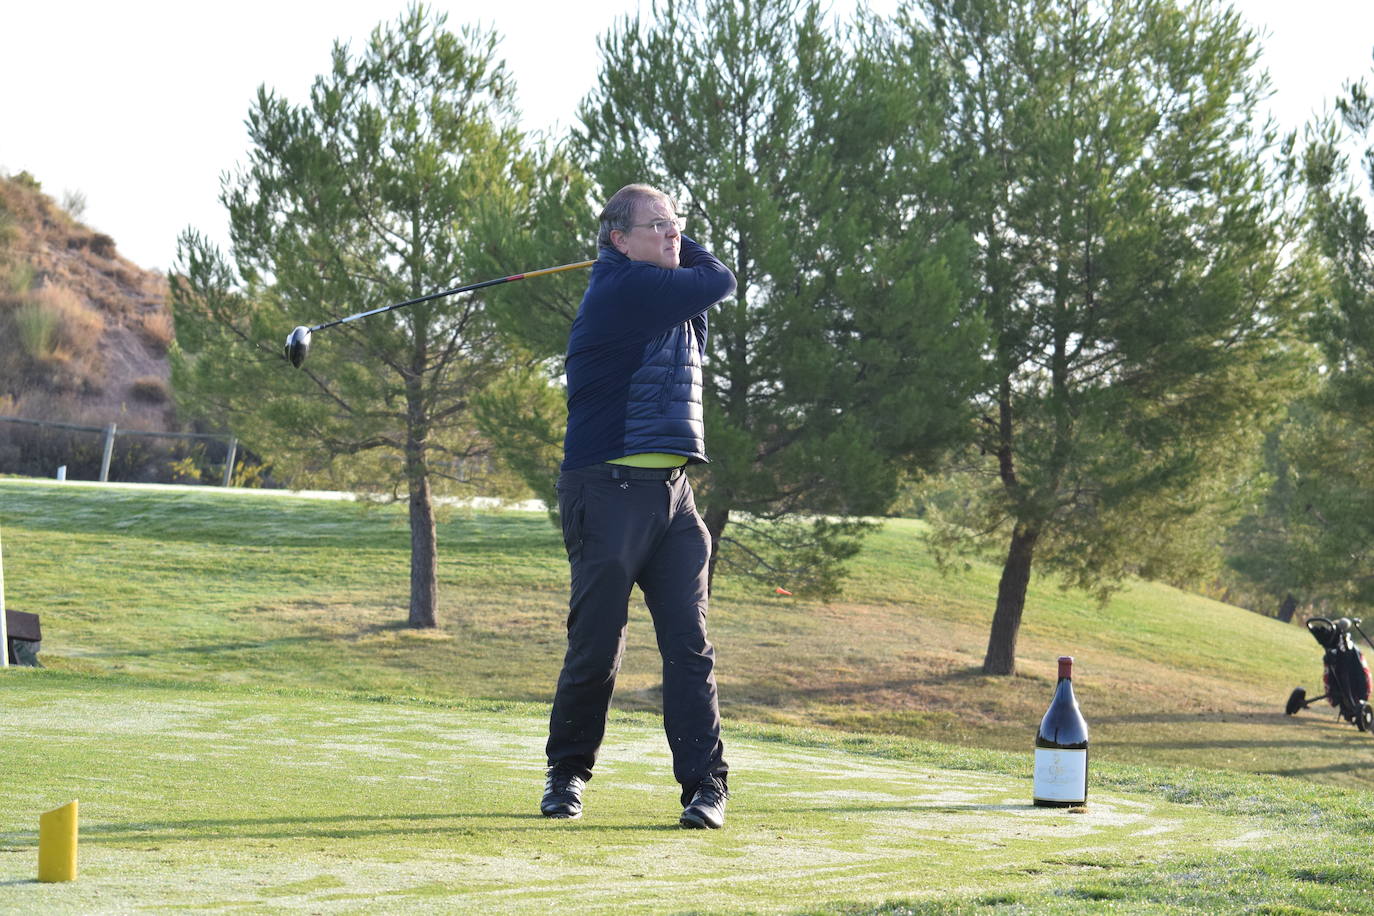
651	460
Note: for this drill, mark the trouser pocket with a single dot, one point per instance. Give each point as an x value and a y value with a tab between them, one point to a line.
571	513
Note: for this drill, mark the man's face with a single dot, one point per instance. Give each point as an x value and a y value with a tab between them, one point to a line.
643	243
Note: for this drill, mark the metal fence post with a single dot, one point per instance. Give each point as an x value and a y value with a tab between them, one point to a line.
109	436
229	461
109	450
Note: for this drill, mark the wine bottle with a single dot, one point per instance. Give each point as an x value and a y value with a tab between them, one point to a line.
1061	748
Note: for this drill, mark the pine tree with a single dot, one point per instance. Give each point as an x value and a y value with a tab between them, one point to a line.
845	354
363	196
1113	177
1314	534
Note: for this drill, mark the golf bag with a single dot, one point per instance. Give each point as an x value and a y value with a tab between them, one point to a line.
1345	674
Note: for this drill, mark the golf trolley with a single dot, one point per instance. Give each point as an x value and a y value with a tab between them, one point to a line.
1345	674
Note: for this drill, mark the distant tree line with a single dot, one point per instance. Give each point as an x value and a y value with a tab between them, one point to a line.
1043	259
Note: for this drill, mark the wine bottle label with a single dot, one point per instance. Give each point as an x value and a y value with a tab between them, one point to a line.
1061	775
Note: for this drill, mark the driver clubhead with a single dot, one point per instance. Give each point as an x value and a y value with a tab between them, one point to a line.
298	345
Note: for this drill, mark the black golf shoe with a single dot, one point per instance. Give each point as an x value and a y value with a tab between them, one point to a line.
707	807
563	792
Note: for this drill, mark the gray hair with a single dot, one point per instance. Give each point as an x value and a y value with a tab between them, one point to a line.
619	211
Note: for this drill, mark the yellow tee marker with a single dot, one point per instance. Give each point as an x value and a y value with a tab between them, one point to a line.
57	844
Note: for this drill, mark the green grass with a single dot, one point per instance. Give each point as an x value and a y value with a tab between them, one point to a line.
259	800
273	589
247	724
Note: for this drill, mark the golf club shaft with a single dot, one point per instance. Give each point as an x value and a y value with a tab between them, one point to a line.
453	292
1356	624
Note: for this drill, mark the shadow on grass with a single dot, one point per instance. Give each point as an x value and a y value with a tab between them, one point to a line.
211	649
1343	767
323	636
924	809
335	827
932	697
1276	718
1231	744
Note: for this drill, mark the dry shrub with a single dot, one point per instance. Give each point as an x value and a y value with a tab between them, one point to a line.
22	198
156	329
102	245
153	285
79	327
60	336
149	389
121	275
16	277
36	329
15	375
99	244
9	230
74	202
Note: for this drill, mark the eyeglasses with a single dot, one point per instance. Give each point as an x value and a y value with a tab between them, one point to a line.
660	226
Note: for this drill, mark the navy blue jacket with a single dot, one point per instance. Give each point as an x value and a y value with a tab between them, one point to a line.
634	357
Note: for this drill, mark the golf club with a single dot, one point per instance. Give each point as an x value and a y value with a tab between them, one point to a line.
298	341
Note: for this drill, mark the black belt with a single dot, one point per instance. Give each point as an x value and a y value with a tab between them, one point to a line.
626	472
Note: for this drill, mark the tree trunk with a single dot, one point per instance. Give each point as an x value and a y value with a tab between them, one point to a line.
715	525
424	552
424	555
1011	601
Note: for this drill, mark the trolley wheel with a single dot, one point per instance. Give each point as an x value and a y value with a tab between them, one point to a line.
1296	700
1365	721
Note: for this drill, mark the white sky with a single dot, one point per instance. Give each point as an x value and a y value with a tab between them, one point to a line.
140	105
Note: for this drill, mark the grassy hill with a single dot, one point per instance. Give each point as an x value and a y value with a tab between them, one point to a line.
231	692
264	588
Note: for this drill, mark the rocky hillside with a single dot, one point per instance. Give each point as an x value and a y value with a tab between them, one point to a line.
83	331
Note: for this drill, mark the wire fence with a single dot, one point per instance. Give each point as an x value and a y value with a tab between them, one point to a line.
112	430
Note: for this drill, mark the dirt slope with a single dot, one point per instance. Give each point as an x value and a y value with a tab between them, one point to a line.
83	331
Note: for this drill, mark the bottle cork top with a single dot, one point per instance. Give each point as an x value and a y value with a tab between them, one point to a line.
1066	666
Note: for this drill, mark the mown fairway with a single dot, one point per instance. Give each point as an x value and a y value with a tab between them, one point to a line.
247	725
259	801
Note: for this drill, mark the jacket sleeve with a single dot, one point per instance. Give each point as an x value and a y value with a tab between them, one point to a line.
650	299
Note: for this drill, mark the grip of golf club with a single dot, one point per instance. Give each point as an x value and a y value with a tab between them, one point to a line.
552	270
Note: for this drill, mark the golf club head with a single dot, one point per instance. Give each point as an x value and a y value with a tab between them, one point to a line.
298	345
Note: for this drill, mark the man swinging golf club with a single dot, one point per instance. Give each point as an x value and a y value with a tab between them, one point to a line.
628	514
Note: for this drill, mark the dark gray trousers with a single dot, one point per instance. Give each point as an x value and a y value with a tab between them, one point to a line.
621	531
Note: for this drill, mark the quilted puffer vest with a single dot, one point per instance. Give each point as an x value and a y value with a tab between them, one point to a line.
663	410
